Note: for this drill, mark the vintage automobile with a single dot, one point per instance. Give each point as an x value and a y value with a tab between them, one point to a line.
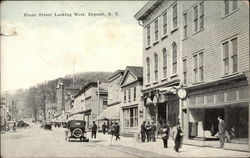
76	130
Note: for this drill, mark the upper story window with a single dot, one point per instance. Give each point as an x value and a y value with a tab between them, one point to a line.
129	94
148	70
198	69
184	62
148	35
164	63
104	102
125	97
156	67
165	24
175	17
185	25
199	16
230	64
174	58
156	30
230	5
134	93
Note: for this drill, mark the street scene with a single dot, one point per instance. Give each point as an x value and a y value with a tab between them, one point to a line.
125	79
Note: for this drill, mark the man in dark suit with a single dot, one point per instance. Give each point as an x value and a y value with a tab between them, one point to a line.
221	131
93	130
143	131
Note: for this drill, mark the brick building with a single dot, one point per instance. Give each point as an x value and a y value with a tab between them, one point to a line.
204	46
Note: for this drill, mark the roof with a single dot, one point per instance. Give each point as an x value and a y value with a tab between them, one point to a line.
136	70
147	9
117	72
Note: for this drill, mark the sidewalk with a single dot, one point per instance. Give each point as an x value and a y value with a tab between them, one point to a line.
157	147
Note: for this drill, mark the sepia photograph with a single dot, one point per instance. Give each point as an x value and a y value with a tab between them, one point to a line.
116	78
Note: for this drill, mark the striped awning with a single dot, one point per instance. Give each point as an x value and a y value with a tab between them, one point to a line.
112	112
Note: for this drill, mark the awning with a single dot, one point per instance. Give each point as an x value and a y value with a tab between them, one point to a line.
82	112
76	117
111	112
63	119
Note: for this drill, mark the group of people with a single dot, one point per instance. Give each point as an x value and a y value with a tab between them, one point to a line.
115	130
149	131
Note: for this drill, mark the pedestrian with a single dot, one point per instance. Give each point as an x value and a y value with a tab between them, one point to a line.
177	136
153	130
104	126
116	131
143	131
148	132
93	130
165	134
221	131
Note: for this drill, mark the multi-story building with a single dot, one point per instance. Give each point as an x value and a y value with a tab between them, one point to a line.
90	101
132	108
111	114
204	45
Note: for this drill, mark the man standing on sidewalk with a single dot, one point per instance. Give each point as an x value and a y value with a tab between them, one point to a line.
153	130
143	131
93	130
177	134
104	126
221	131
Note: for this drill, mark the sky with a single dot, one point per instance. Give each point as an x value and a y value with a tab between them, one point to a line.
45	47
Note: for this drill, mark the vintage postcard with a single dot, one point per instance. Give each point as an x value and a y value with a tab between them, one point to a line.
125	78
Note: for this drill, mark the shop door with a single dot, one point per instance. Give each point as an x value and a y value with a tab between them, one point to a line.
162	113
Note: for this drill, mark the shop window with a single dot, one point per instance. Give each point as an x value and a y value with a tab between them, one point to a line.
130	117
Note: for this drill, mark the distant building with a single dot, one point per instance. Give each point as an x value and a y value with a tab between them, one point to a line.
204	47
90	101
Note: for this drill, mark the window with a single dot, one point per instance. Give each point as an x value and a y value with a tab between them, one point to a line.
131	117
225	57
175	16
230	56
201	71
105	102
199	16
235	4
234	54
195	18
198	69
129	94
125	96
148	70
195	69
165	25
174	59
156	30
148	35
185	25
184	71
134	93
202	15
156	67
226	5
164	63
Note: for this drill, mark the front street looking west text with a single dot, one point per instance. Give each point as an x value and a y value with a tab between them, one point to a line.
37	142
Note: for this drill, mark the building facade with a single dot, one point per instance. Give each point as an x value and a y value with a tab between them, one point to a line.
207	45
132	110
111	114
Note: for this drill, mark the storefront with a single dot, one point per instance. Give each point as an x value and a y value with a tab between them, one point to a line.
202	108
